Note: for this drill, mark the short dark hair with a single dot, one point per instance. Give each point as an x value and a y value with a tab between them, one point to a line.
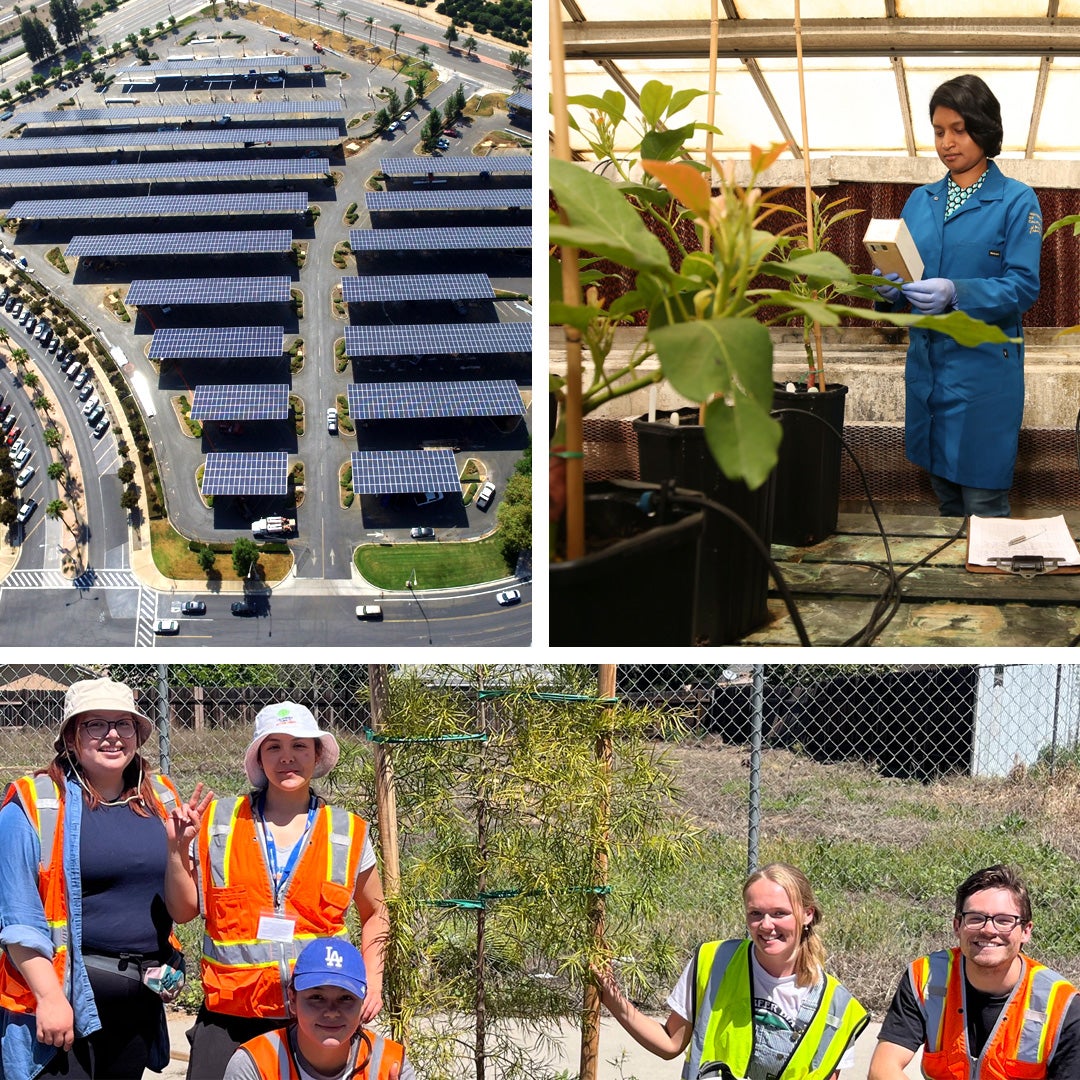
998	876
975	102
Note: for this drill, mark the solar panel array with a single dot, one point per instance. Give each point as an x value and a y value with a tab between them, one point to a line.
224	342
133	140
373	290
389	472
226	63
419	339
520	100
471	237
408	400
464	199
250	401
181	110
187	171
456	163
246	202
219	290
240	242
264	473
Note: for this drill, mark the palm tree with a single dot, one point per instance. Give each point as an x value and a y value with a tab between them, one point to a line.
56	470
42	404
519	59
396	27
4	336
20	356
370	20
342	15
318	6
30	379
422	50
56	510
52	437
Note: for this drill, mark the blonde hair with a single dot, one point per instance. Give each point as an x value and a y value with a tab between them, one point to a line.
810	958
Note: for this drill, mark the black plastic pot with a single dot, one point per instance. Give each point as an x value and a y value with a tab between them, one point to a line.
733	577
640	588
808	472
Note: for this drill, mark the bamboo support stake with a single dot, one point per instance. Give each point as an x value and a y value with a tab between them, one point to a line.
385	794
819	369
574	463
590	1006
710	118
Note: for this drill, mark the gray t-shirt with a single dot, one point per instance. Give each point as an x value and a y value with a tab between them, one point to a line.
242	1067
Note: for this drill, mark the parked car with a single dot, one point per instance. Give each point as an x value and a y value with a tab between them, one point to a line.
331	421
193	607
487	492
87	389
21	457
91	405
82	379
510	596
243	607
25	476
12	435
17	446
54	344
93	417
101	427
368	611
73	370
9	421
166	626
4	410
422	532
25	511
394	126
443	143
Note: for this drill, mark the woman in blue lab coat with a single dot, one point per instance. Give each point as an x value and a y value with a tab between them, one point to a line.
980	237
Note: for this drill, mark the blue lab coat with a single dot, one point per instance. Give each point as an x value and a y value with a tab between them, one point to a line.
965	405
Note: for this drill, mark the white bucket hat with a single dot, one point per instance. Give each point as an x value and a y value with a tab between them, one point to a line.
288	718
92	695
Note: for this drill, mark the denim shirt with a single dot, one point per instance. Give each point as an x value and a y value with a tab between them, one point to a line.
22	922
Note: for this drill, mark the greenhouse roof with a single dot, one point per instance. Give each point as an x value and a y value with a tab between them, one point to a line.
870	68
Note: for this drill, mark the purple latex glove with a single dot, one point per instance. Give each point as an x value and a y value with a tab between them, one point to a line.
932	296
887	292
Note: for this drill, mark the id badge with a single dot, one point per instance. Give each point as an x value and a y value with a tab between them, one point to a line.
277	928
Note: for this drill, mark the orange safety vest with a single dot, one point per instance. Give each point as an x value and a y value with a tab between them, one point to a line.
243	974
271	1055
1024	1038
44	806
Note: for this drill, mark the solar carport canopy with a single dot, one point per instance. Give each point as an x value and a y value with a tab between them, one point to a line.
448	339
225	342
239	242
104	209
216	290
181	171
208	138
180	111
468	238
456	164
409	400
252	401
394	472
231	64
396	287
462	199
264	473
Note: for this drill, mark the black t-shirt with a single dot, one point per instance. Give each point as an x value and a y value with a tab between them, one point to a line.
903	1025
122	859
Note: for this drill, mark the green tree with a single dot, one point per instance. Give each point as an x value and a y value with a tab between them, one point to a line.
130	499
37	39
514	518
31	379
381	121
66	20
422	50
244	556
8	512
7	485
470	45
370	21
343	15
432	129
318	5
393	103
55	71
396	28
126	473
519	60
56	470
52	438
55	512
43	404
207	557
451	35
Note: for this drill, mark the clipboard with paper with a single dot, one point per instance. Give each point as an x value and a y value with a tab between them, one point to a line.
1024	546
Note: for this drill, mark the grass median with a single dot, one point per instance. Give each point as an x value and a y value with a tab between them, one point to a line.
175	559
436	566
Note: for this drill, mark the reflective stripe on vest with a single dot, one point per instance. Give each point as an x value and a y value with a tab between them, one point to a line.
1027	1028
270	1052
236	890
44	808
724	1025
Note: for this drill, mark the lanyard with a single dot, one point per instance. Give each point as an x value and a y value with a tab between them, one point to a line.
279	878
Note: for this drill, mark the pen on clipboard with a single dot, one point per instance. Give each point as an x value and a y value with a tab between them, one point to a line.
1021	539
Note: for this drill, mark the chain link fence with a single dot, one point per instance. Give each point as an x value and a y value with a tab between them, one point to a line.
887	784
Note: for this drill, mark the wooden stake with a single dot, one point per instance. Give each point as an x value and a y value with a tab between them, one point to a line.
385	795
590	1006
710	117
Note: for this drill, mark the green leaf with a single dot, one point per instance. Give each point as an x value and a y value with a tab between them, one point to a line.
819	268
682	98
664	145
602	221
1072	219
743	438
612	103
626	305
961	327
654	99
576	315
705	357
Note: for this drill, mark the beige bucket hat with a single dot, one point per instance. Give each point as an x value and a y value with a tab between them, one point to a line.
91	695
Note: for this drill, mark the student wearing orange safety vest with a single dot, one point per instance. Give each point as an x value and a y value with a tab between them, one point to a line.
327	1040
276	869
983	1010
762	1008
95	861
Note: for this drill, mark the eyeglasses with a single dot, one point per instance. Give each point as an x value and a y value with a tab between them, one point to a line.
976	920
98	729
